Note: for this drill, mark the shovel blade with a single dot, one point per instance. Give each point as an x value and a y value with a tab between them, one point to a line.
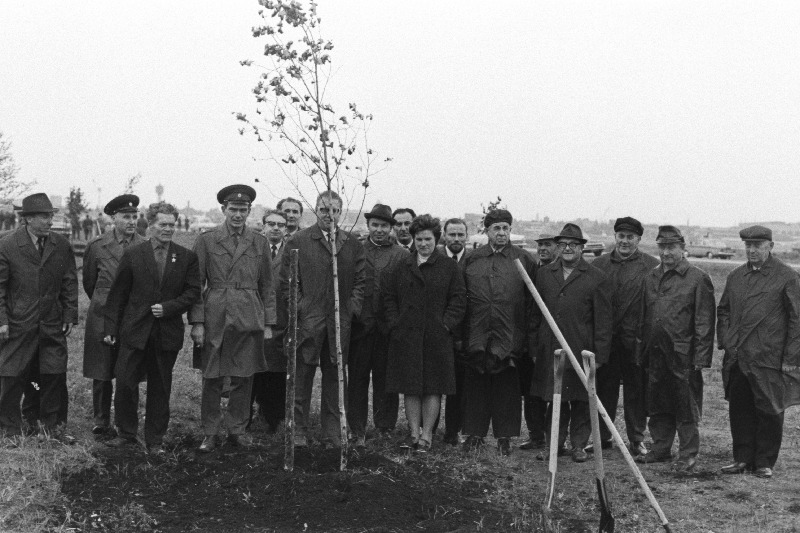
607	522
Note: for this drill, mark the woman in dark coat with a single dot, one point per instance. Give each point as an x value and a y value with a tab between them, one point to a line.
424	301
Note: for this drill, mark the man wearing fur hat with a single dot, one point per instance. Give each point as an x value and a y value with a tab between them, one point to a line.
627	267
758	326
678	339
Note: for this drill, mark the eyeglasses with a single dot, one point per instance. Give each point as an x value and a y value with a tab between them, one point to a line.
573	245
279	224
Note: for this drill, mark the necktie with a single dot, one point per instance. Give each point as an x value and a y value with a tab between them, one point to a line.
124	243
161	259
274	250
40	245
236	240
455	258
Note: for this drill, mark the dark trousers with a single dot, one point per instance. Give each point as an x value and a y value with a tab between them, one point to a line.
47	404
534	408
237	415
574	417
329	397
269	393
102	394
369	355
453	418
155	365
634	382
663	427
756	435
491	399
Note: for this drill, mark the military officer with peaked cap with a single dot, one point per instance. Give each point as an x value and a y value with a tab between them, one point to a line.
758	326
236	314
100	262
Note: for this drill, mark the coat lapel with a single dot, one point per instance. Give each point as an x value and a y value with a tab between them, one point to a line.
26	244
577	272
150	263
225	240
169	264
244	241
49	247
319	236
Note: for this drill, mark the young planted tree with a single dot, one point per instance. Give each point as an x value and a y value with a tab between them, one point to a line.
11	187
314	146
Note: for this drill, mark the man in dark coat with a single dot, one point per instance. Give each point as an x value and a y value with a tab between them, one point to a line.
678	336
370	335
578	295
455	240
141	225
293	209
269	387
156	282
100	261
87	224
759	328
316	341
496	332
534	408
38	307
627	267
234	318
402	222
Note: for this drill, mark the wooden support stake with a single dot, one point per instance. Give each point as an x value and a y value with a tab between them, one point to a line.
291	365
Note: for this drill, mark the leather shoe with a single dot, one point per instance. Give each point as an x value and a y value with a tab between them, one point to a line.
544	455
504	445
452	440
579	456
685	465
472	443
734	468
118	442
605	445
653	457
99	430
531	444
637	449
209	444
240	440
763	472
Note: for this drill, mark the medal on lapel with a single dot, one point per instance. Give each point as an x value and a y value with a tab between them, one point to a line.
173	257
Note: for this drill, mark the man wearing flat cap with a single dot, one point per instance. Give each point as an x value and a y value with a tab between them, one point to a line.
677	332
578	295
626	266
758	326
369	337
38	307
496	335
100	262
234	317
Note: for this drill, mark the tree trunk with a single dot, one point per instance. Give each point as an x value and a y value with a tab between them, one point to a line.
291	364
339	354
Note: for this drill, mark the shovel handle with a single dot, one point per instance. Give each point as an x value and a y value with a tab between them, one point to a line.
591	371
555	418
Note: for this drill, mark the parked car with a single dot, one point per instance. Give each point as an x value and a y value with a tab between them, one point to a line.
594	247
709	249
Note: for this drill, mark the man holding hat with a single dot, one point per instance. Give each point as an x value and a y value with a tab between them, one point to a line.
370	335
627	267
578	295
38	307
496	335
234	317
677	332
758	326
100	262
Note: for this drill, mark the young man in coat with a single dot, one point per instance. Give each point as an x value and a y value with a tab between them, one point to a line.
269	387
578	295
156	282
403	217
370	335
293	209
496	335
626	266
758	326
234	318
38	307
678	337
100	262
316	341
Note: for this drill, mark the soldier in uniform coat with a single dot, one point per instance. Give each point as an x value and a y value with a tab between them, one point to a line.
759	328
578	295
316	342
38	307
100	261
235	316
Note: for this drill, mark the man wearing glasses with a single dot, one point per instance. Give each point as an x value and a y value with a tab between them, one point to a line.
578	295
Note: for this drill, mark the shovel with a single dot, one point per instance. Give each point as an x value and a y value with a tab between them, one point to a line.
555	417
606	518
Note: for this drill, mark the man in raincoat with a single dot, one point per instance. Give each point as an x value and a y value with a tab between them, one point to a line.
758	326
678	336
234	317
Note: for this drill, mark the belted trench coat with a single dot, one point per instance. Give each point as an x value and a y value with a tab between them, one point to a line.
238	301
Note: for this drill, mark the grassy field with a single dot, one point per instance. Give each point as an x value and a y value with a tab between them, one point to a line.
46	486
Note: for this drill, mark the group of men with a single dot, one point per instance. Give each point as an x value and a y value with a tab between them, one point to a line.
649	321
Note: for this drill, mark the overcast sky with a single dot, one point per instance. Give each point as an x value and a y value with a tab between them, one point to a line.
671	112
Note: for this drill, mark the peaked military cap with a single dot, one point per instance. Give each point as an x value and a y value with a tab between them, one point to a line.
545	237
669	235
36	203
629	224
756	233
571	231
125	203
381	212
497	215
236	193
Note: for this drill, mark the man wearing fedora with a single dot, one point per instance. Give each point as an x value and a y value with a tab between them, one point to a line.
627	267
369	336
496	335
677	332
100	261
758	326
578	295
234	318
38	307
